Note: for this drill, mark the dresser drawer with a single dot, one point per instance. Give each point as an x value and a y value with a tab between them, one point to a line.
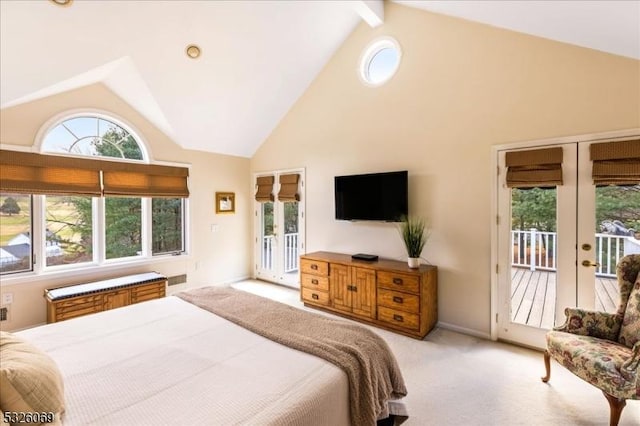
314	267
399	301
399	281
314	282
147	292
399	318
315	297
78	303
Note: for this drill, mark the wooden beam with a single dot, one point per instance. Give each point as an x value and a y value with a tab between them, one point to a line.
372	11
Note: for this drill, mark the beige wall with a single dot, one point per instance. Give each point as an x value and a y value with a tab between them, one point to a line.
461	88
214	257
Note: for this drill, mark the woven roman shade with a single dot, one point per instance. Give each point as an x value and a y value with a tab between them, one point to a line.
30	173
616	163
536	168
144	180
264	193
289	187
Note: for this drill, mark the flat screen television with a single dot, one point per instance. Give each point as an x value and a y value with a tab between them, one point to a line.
373	196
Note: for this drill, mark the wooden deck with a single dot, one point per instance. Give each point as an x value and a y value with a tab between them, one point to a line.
533	295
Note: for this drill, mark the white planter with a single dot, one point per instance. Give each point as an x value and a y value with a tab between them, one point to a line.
413	262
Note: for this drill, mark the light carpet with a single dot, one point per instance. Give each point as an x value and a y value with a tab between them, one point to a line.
455	379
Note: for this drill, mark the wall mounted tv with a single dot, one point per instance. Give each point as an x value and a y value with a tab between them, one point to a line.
374	196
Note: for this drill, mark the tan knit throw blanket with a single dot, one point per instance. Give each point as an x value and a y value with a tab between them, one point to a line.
374	375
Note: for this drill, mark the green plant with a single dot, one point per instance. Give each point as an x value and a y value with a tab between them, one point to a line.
414	233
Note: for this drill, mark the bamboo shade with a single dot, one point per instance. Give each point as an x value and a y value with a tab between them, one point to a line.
540	168
26	172
264	193
30	173
289	187
144	180
616	163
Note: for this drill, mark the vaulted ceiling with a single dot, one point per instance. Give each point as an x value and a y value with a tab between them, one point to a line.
258	57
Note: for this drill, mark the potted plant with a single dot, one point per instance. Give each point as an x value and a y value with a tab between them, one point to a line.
414	233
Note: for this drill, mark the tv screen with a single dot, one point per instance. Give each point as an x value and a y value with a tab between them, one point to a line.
374	196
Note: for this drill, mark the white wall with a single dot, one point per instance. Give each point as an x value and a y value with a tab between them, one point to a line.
461	88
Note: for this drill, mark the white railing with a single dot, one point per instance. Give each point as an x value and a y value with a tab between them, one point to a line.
291	252
535	249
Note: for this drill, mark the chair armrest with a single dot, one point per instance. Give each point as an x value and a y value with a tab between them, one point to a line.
631	367
584	322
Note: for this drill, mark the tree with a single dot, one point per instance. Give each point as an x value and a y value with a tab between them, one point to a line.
533	208
618	203
10	206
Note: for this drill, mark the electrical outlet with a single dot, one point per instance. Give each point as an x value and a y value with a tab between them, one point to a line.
7	298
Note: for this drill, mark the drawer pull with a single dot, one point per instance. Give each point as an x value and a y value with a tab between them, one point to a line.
397	281
397	299
314	281
314	296
314	267
398	318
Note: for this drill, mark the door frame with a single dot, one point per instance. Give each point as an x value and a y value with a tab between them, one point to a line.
257	223
496	177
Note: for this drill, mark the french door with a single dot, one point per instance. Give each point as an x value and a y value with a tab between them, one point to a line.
559	246
279	233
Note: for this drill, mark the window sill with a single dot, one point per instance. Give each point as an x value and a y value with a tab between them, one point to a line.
32	277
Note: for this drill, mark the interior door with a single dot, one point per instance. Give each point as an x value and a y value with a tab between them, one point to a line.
280	234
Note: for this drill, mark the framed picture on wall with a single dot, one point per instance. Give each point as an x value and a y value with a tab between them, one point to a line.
225	202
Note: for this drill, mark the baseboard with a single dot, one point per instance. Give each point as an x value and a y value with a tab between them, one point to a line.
464	330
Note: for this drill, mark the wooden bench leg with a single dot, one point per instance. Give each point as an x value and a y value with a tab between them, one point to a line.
616	405
547	366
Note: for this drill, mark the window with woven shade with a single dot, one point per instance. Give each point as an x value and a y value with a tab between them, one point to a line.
616	163
536	168
92	187
264	192
289	187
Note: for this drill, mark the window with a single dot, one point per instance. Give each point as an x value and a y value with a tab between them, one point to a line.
68	230
15	233
380	61
137	210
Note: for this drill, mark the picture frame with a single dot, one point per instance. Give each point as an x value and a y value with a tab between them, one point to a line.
225	202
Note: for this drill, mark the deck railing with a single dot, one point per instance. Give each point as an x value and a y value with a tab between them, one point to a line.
535	249
291	252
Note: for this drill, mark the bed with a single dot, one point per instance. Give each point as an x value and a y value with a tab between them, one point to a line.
168	361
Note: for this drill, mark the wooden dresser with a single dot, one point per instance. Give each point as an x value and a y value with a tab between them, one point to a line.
88	298
385	293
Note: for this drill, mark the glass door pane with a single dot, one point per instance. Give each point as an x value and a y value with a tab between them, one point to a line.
617	235
267	236
291	244
534	262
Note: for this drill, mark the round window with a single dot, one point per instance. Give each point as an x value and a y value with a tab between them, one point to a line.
380	61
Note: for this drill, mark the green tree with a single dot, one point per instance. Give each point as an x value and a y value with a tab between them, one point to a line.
618	203
533	208
167	225
10	206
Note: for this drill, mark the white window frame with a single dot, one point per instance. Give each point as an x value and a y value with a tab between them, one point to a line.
38	213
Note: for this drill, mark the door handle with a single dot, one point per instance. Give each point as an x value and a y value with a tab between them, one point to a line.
587	263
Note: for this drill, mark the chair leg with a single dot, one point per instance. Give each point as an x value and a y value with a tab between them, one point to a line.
547	366
616	405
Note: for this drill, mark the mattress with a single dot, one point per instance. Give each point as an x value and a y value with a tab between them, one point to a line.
167	361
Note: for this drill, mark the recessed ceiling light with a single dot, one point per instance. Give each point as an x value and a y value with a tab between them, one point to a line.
62	2
192	51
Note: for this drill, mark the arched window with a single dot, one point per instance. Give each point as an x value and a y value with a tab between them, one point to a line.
138	213
93	136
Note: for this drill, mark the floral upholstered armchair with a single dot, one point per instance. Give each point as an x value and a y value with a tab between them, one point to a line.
602	348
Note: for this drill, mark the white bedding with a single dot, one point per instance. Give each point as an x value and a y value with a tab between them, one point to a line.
167	361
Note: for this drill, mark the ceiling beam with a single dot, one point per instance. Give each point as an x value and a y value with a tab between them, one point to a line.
372	11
